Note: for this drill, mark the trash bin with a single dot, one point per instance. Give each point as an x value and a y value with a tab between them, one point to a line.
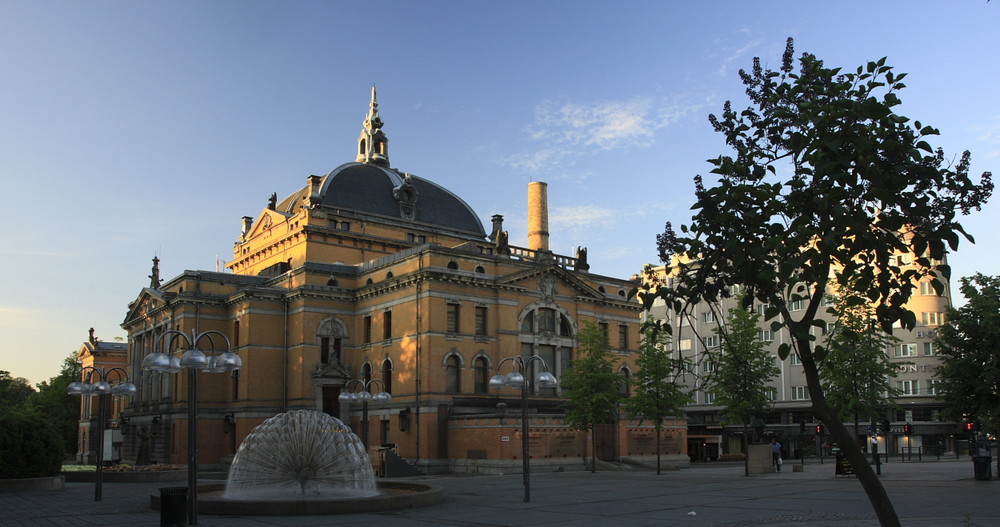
983	470
173	506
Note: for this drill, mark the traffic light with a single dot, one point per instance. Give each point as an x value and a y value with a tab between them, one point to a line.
819	429
968	427
908	429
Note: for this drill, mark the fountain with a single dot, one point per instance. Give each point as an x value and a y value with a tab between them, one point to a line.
306	462
301	455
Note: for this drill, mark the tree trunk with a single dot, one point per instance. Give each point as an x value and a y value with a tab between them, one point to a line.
883	507
593	449
659	427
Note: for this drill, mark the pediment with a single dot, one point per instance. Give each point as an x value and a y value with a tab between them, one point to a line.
266	220
551	280
332	371
148	301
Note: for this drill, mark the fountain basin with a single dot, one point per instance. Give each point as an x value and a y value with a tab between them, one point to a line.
393	495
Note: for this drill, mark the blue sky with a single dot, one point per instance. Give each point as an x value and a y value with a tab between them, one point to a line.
133	129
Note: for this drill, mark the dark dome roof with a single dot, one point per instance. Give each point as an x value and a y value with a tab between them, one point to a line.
370	189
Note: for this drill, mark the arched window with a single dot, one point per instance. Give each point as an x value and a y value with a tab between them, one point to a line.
453	265
388	275
625	386
482	375
366	373
387	375
452	380
480	269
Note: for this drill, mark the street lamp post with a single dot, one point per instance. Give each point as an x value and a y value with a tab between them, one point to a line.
193	360
101	389
363	396
516	379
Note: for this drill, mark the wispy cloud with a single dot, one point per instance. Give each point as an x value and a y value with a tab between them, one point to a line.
568	129
733	55
989	133
581	216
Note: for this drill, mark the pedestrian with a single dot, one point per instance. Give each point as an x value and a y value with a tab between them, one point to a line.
776	453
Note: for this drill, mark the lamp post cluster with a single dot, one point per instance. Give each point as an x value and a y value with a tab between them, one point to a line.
517	379
364	396
101	389
193	360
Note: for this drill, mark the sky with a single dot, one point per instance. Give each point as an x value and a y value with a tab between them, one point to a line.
132	129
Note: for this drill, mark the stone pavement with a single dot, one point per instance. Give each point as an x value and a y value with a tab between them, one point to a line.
931	493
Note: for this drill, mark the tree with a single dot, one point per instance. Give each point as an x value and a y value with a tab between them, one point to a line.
857	372
827	185
657	396
741	382
14	392
744	369
969	343
58	407
591	385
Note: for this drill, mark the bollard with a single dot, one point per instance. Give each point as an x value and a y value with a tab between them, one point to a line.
173	506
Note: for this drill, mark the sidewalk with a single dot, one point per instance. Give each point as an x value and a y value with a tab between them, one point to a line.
931	493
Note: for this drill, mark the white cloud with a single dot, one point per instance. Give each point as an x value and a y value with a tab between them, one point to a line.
570	129
581	216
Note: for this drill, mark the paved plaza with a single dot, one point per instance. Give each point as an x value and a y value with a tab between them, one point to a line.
931	493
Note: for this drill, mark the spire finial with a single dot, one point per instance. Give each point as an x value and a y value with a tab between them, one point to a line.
373	146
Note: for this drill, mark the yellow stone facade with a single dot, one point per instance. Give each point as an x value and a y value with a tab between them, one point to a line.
369	273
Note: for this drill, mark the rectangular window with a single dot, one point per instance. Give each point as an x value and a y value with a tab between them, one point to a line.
927	289
708	316
709	366
800	393
793	359
711	341
367	331
908	387
603	326
547	320
772	394
682	320
765	335
345	225
623	336
709	397
928	348
480	320
932	318
932	386
684	345
761	308
453	312
689	367
796	305
387	325
906	350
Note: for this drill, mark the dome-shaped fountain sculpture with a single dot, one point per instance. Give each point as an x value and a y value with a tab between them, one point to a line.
299	455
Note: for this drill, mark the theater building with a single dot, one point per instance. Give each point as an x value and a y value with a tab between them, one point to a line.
371	276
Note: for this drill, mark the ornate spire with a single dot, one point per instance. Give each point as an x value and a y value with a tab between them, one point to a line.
373	146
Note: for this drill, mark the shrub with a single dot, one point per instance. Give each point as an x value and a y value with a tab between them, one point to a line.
30	446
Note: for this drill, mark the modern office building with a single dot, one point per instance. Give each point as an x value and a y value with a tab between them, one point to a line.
791	418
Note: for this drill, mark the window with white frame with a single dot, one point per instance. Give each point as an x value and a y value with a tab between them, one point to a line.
908	387
765	335
709	397
906	350
927	289
772	394
708	316
711	341
793	359
933	386
709	366
928	348
684	344
797	305
761	308
800	393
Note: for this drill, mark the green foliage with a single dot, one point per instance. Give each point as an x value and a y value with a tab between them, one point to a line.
655	394
741	382
856	372
14	392
58	407
591	385
969	344
29	446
